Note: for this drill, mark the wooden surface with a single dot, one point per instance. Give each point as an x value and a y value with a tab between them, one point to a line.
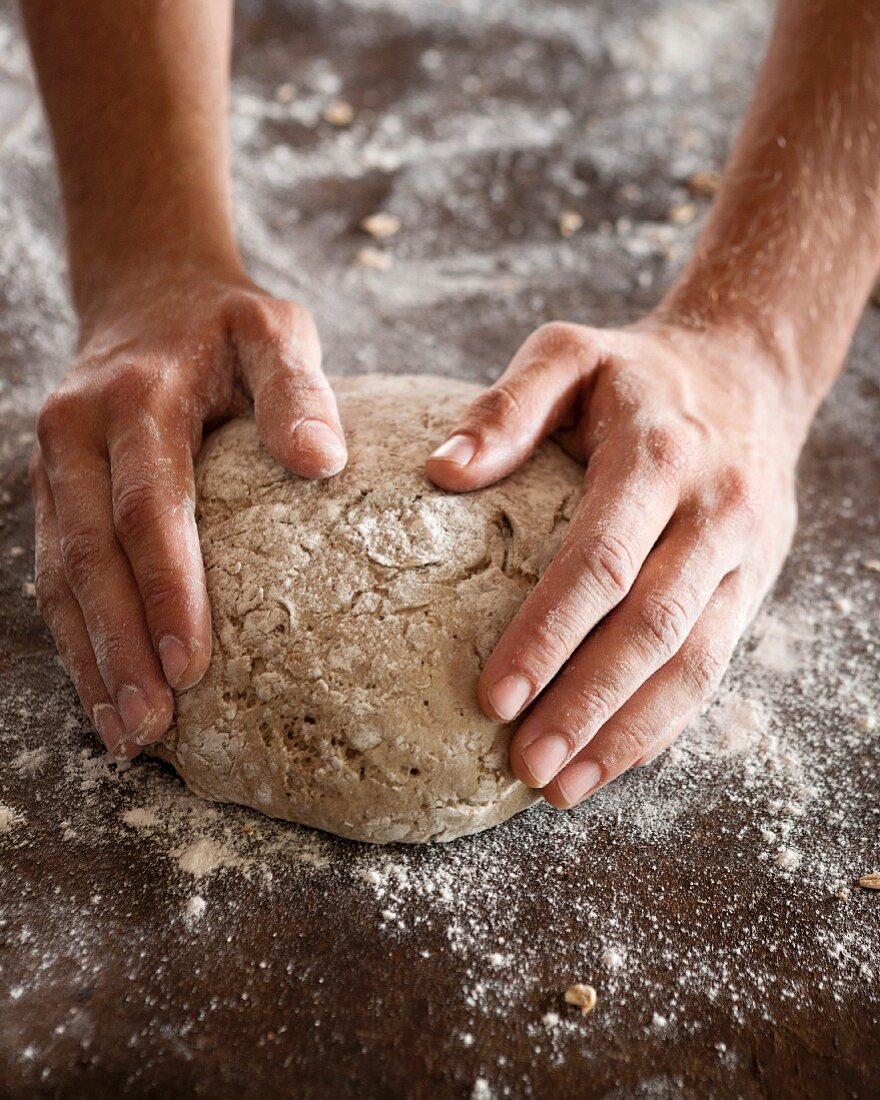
317	968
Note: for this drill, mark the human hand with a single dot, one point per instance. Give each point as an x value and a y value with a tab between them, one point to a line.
691	439
119	575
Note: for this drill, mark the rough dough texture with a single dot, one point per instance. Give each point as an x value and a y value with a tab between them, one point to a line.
351	620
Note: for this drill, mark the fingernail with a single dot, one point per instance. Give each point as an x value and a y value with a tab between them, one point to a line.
579	779
109	726
459	449
174	658
318	437
133	708
509	695
545	757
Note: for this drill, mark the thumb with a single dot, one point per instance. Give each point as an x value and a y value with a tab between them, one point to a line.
280	357
533	397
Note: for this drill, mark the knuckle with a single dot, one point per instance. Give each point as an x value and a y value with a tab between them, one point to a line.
135	508
594	704
51	595
126	385
269	319
496	406
558	337
705	667
738	494
668	450
610	563
550	644
634	740
665	620
55	421
131	386
83	553
138	505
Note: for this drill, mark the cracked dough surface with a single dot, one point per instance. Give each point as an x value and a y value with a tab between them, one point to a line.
352	616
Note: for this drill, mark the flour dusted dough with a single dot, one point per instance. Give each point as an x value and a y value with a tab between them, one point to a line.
351	620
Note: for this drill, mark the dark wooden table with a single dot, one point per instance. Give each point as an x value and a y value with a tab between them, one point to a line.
151	945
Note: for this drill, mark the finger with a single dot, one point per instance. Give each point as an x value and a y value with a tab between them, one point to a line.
294	406
154	517
639	637
102	583
65	621
502	427
624	510
663	706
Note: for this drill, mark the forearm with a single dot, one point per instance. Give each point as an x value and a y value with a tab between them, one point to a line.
793	241
136	96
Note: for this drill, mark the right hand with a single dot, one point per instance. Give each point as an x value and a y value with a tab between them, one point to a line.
119	575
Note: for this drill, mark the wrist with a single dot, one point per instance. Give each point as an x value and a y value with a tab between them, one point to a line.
764	340
765	337
755	363
116	252
109	291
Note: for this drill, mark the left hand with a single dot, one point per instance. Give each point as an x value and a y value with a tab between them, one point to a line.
691	440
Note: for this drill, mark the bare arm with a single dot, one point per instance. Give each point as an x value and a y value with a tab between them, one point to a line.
691	422
172	333
136	95
792	245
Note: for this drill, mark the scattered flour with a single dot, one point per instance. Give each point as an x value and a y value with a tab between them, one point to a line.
9	818
30	761
779	644
788	859
613	958
204	856
194	909
482	1090
140	818
741	723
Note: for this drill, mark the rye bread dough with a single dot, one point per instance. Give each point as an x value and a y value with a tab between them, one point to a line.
351	618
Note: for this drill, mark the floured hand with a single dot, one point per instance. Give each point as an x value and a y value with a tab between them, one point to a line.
119	573
687	515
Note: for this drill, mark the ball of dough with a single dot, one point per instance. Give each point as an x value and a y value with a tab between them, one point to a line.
351	619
